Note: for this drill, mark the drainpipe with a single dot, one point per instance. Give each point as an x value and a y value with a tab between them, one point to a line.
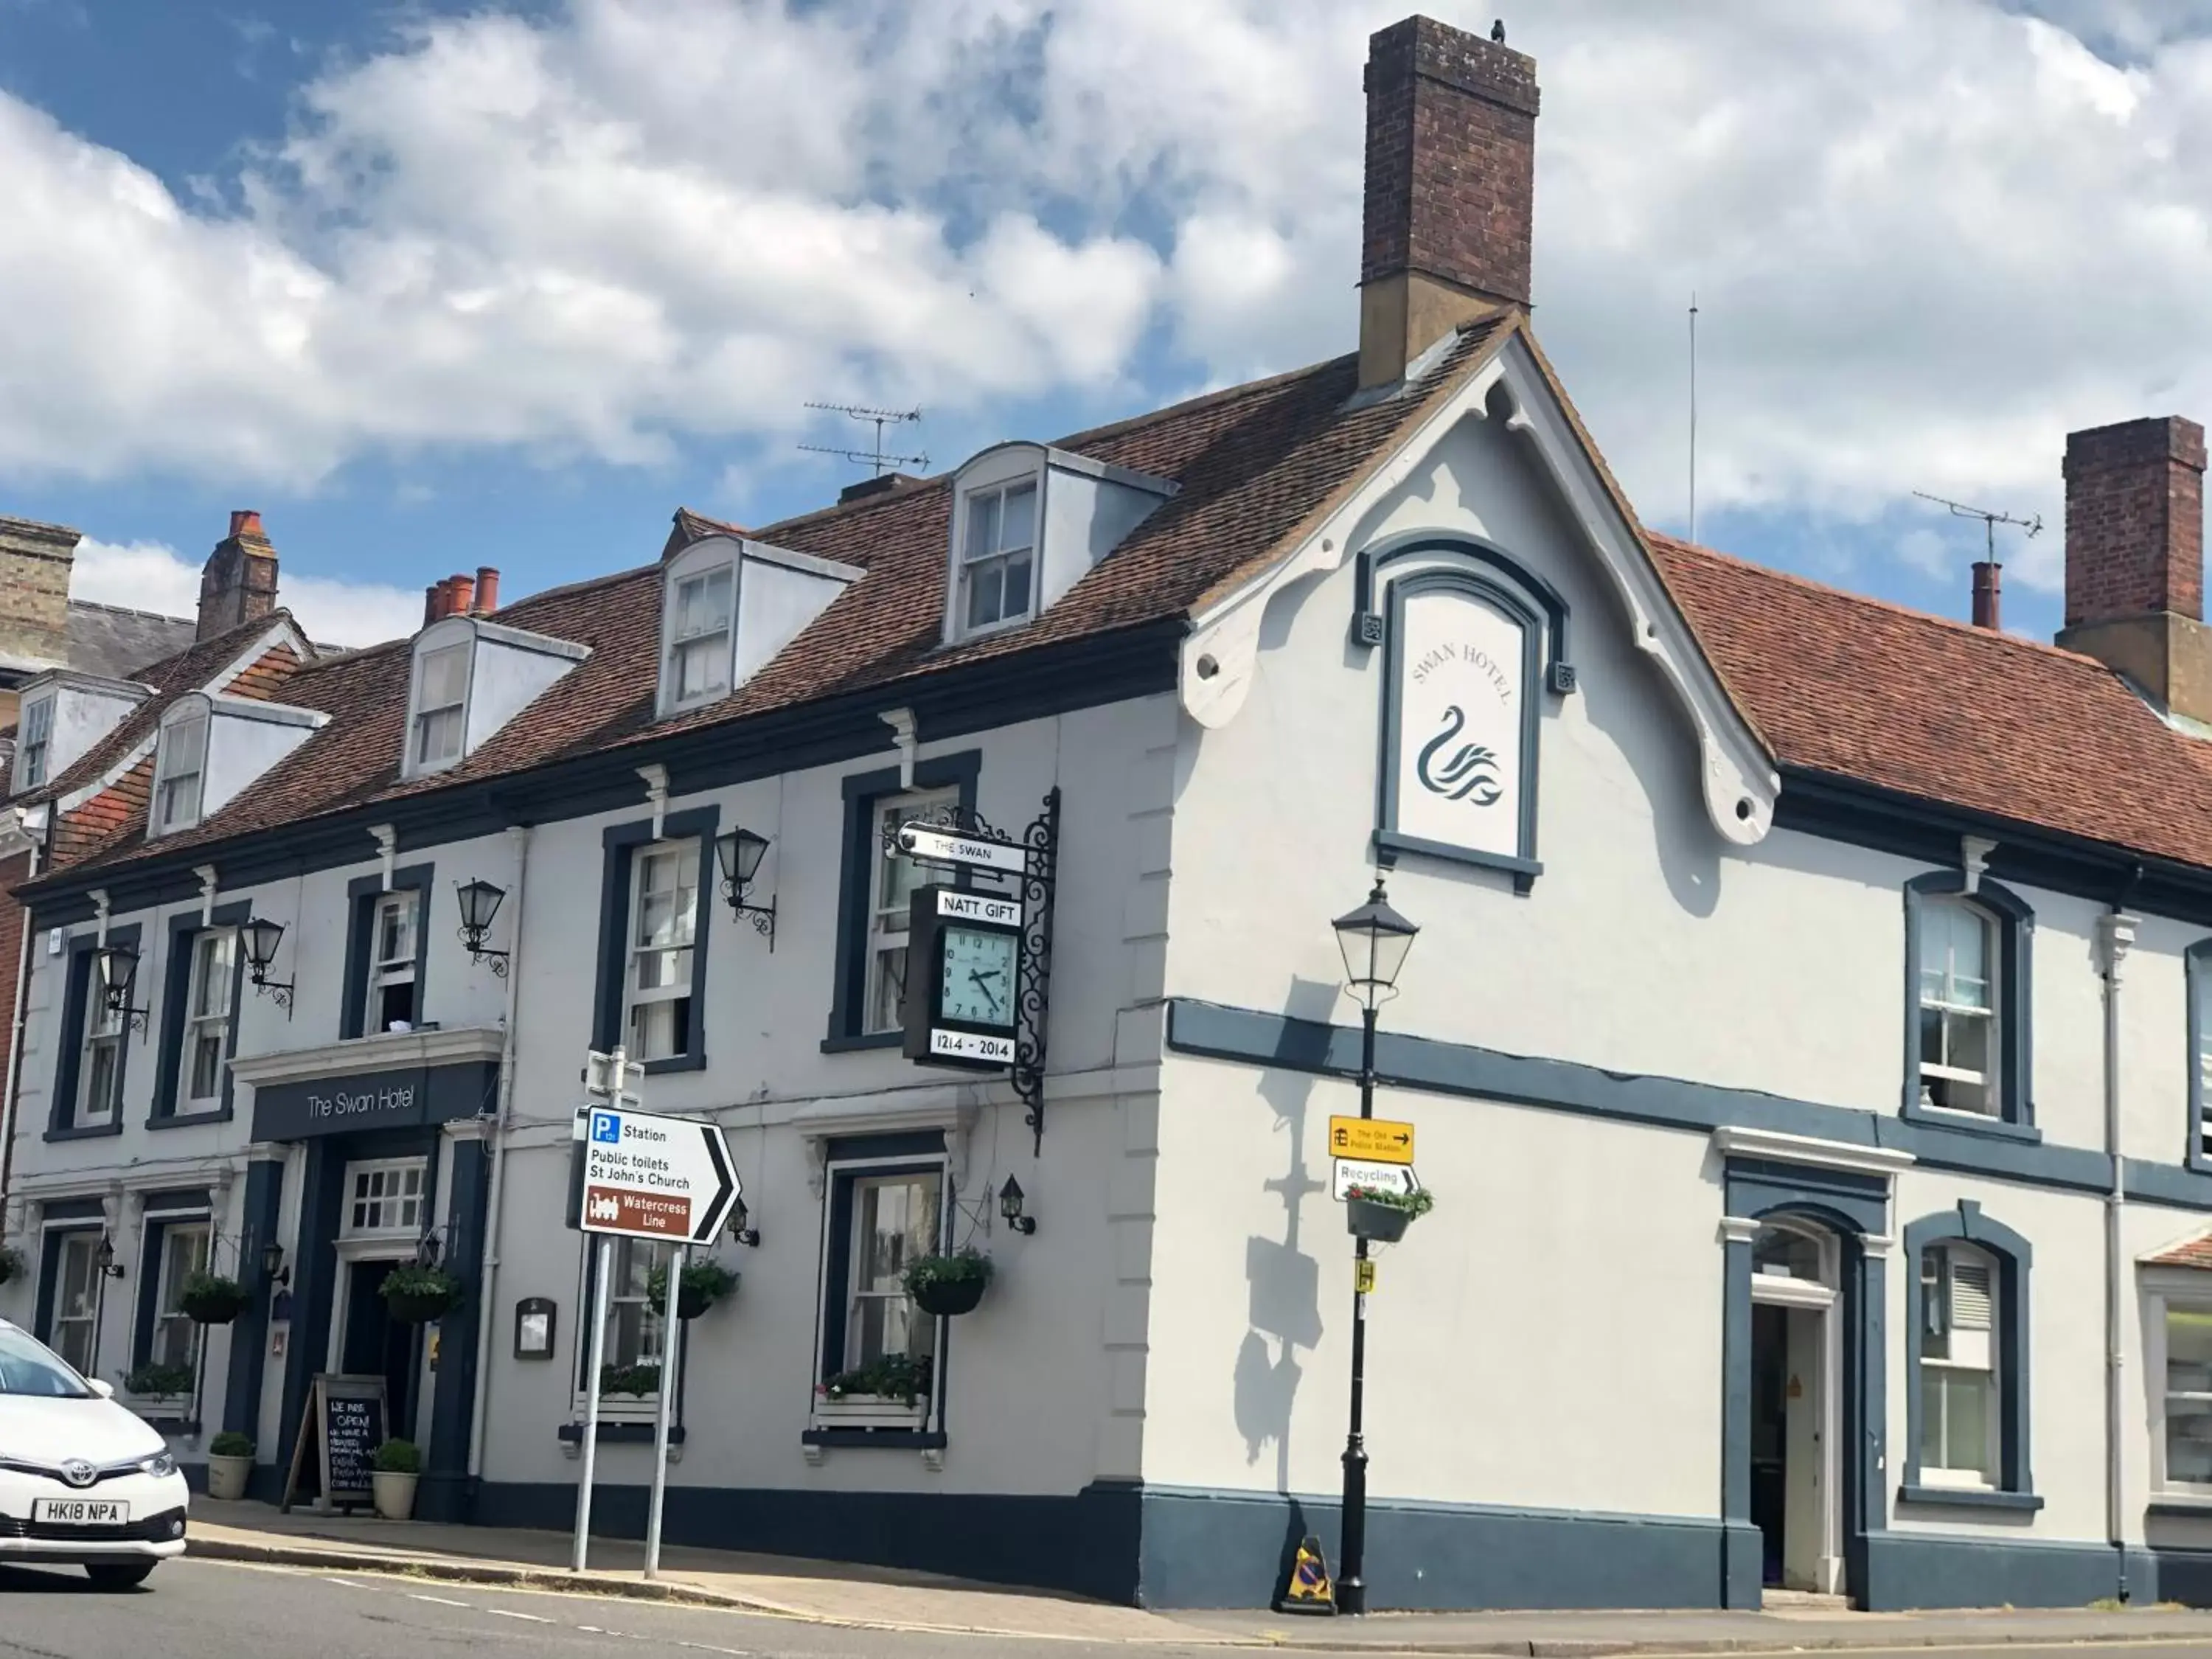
16	1046
488	1276
2117	932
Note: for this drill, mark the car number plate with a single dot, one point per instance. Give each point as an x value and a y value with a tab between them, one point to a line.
79	1511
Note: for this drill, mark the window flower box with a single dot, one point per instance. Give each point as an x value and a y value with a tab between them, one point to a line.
870	1411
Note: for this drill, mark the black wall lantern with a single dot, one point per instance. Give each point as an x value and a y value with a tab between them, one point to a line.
739	852
117	968
104	1258
273	1271
262	937
480	902
1010	1198
741	1227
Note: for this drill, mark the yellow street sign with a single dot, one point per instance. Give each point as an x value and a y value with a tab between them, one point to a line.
1375	1138
1362	1277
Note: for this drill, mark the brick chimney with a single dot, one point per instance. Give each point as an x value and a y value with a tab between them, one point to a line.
239	582
35	579
1451	188
2134	557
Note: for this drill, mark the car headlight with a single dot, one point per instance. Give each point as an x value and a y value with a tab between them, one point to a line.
161	1465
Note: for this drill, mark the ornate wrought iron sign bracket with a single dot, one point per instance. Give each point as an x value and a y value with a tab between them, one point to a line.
1026	865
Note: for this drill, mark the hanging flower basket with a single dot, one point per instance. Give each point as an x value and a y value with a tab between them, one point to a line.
415	1294
211	1299
945	1286
11	1262
1383	1216
704	1284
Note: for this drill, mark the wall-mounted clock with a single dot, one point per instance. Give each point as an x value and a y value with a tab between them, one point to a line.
963	972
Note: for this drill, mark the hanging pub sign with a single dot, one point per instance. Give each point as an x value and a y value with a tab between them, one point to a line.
1460	723
963	970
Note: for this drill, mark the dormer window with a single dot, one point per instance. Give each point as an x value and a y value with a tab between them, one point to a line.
999	558
441	694
1029	522
31	742
699	646
180	765
729	604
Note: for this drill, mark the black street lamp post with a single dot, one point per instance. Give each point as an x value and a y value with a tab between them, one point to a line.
1375	939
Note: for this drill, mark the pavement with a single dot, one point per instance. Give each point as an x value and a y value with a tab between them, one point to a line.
845	1597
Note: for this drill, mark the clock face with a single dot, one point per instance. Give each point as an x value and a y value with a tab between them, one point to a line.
979	977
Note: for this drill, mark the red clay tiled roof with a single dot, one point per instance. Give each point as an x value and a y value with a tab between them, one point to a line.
1251	463
2191	1252
1858	689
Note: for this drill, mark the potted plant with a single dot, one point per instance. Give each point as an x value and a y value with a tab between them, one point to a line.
11	1262
944	1286
703	1284
636	1381
230	1464
392	1474
1372	1213
154	1381
416	1293
890	1393
211	1299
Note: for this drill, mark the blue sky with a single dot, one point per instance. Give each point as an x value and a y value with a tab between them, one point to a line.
434	286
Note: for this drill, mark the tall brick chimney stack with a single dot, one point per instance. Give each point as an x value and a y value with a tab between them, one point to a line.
1451	188
239	582
2134	557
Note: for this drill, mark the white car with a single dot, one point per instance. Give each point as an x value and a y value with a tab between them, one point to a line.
83	1481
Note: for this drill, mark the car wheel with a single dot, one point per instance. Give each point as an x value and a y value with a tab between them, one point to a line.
119	1575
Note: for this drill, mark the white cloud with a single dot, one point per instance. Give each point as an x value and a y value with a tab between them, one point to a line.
154	576
1927	236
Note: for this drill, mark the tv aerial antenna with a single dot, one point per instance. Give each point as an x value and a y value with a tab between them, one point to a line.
876	457
2033	525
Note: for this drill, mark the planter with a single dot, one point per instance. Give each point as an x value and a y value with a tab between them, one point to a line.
394	1494
869	1411
421	1295
704	1284
11	1263
1383	1223
227	1476
213	1301
947	1298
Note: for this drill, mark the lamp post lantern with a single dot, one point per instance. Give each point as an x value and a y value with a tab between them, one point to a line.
1375	939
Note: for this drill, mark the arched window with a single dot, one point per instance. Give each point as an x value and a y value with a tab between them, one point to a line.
1967	1354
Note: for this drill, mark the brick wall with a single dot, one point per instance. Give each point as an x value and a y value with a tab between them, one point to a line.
2134	520
1451	160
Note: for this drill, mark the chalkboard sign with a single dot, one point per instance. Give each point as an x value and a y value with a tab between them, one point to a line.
344	1421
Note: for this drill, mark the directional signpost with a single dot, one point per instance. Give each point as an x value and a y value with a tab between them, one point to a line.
1374	1153
667	1179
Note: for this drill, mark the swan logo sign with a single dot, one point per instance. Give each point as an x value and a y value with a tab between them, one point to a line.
1460	748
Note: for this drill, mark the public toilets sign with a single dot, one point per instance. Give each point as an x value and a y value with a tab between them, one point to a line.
649	1176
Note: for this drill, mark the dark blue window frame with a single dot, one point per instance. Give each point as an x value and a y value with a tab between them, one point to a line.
865	791
849	1160
2013	1258
2015	927
2197	963
622	843
76	1006
176	1001
75	1215
361	895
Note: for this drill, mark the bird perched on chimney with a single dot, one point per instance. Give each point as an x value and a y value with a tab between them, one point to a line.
1497	30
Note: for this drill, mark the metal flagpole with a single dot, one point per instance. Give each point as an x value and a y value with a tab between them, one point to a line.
672	1333
605	1274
